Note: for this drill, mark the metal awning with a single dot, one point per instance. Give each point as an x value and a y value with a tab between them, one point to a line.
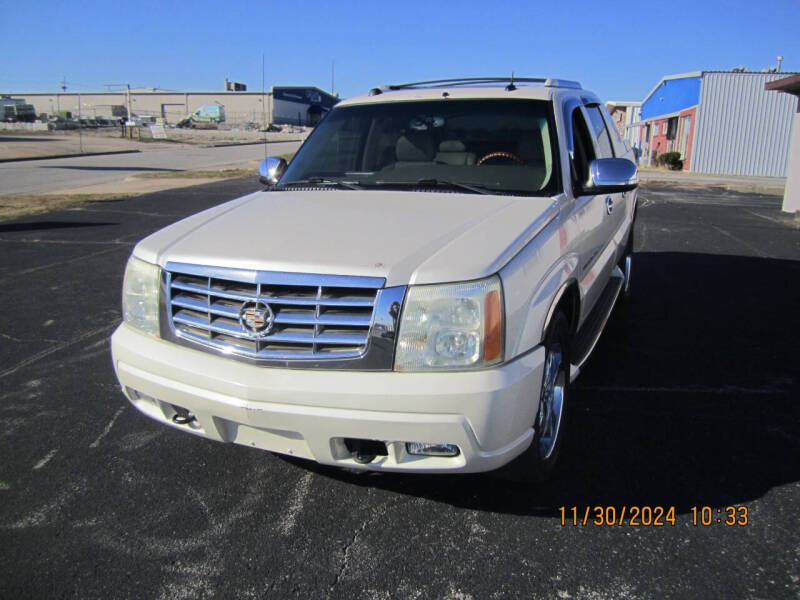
790	85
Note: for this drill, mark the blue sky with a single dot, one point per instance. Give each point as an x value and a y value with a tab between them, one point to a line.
617	49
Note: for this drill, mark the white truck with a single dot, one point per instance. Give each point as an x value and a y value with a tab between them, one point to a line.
414	292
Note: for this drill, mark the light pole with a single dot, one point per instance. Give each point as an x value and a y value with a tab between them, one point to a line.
80	128
128	95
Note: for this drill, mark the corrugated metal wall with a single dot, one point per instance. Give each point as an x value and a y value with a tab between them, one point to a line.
742	129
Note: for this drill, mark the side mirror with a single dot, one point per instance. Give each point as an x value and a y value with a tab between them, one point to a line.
611	175
271	169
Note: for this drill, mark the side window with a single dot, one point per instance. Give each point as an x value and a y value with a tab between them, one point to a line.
600	132
582	143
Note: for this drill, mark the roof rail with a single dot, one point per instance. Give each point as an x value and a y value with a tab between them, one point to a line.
435	83
564	83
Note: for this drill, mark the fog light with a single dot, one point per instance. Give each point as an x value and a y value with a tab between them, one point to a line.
429	449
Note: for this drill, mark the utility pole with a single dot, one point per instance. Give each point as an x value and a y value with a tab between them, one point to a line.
63	89
332	65
128	102
80	126
264	105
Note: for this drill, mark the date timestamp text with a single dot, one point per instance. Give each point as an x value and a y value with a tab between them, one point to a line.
652	516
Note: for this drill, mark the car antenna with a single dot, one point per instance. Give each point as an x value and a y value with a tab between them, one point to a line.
511	87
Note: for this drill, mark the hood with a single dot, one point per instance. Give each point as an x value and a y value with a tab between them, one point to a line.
405	237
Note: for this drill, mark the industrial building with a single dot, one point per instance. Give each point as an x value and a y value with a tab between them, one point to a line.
721	122
296	105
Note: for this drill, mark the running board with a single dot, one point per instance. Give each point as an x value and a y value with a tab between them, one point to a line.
589	334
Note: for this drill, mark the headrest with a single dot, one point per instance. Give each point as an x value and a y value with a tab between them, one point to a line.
452	146
413	147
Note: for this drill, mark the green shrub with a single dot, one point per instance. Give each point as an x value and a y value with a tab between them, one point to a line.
672	160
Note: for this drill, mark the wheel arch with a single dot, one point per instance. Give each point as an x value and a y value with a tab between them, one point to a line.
568	299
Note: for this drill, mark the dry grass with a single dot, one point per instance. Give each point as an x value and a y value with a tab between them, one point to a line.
218	174
19	205
211	174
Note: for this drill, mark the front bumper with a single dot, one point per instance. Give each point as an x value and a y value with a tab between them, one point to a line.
308	413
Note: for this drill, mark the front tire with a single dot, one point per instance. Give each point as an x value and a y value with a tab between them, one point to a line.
537	463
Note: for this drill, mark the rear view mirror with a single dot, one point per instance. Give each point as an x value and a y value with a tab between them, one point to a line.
271	169
611	175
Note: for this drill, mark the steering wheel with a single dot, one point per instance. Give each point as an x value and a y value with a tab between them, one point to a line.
507	155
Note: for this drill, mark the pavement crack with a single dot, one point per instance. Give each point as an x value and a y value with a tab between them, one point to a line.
741	241
376	514
785	221
61	263
56	348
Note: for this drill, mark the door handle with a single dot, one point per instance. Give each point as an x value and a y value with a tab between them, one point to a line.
609	205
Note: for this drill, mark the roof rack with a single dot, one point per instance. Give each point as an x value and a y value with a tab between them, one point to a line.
476	81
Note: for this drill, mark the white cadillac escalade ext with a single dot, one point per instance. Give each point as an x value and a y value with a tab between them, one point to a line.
414	292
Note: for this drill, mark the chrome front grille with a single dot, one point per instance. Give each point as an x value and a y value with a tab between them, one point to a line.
316	317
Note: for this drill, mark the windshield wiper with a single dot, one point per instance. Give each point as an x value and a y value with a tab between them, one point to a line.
322	181
475	189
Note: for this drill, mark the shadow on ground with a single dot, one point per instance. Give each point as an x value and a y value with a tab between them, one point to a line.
32	138
690	398
47	225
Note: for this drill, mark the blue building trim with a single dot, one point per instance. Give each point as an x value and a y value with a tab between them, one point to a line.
305	95
671	96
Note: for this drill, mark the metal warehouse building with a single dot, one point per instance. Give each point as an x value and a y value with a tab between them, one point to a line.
721	122
297	105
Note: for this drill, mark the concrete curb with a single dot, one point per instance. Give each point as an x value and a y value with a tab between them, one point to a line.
744	188
261	143
77	154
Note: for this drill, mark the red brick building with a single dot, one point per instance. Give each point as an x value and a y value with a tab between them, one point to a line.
673	133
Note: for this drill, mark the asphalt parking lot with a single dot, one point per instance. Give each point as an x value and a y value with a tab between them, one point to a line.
690	400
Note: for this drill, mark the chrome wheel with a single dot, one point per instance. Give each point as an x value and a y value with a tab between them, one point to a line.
551	402
539	460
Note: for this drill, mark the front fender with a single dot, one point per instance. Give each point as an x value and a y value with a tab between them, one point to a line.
532	283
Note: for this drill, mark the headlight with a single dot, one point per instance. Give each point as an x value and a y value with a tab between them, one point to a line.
140	295
451	326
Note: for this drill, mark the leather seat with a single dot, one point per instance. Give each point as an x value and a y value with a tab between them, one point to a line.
453	152
413	149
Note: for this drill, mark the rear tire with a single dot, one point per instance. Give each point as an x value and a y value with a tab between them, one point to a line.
537	463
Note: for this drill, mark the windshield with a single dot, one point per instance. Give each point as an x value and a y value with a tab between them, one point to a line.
503	146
